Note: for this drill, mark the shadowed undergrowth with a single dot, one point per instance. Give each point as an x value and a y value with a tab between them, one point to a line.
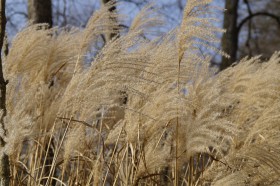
139	111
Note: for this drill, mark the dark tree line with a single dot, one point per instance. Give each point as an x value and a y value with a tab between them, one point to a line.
230	39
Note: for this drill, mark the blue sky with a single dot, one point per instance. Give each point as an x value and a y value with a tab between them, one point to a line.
77	12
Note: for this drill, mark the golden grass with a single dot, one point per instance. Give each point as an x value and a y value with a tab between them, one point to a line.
145	112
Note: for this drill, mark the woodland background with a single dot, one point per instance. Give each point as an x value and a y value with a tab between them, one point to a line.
252	25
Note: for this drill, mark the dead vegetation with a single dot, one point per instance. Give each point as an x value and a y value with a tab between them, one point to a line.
142	112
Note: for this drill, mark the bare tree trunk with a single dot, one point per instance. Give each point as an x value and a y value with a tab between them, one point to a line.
40	11
4	159
230	38
111	9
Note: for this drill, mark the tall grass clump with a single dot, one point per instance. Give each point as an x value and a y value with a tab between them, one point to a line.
139	111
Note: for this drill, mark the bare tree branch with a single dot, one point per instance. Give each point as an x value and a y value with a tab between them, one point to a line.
273	16
249	28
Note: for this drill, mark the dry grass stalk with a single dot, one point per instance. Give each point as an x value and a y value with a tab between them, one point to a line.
144	111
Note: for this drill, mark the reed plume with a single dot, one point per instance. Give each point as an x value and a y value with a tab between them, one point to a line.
142	111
